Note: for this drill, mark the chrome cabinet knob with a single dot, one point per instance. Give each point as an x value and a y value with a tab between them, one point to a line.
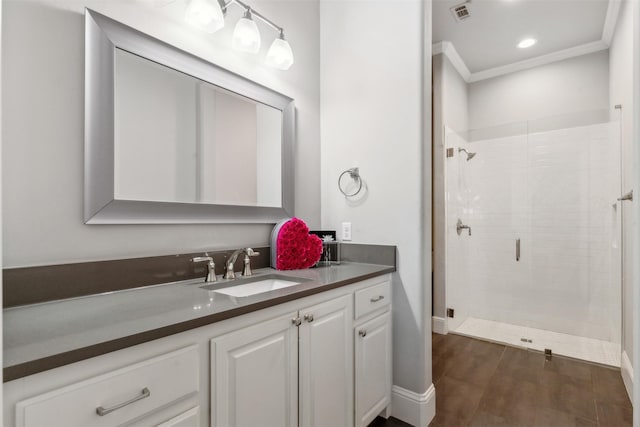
362	333
308	317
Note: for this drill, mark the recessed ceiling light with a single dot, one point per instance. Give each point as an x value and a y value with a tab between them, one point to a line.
525	43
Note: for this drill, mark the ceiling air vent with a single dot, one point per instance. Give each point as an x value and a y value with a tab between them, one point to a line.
461	12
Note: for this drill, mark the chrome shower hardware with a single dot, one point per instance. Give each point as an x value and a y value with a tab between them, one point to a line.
460	226
469	155
628	196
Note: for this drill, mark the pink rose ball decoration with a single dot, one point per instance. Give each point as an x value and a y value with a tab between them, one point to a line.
294	247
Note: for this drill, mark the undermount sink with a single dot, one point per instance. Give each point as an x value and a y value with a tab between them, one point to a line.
257	285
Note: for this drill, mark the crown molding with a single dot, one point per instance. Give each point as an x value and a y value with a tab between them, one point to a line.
456	60
539	60
448	49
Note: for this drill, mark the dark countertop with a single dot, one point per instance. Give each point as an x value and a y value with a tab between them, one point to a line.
43	336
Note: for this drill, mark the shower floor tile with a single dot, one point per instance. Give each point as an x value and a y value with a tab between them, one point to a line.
589	349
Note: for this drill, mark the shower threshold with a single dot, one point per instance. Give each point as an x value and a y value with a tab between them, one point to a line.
589	349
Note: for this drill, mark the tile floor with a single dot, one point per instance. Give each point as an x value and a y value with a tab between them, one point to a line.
598	351
482	384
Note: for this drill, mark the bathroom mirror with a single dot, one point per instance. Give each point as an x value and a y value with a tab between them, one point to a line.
171	138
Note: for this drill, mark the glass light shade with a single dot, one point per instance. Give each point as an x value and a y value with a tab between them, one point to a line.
246	37
205	14
279	55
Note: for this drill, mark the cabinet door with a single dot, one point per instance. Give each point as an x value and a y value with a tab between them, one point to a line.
373	368
254	374
326	364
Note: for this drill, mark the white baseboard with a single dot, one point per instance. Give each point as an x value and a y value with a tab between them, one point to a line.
439	325
413	408
627	374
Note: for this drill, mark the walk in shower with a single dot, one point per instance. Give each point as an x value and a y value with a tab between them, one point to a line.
533	235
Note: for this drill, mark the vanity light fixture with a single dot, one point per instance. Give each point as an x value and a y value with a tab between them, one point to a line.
208	15
528	42
280	55
205	14
246	37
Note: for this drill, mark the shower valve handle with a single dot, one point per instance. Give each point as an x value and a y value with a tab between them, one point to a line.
628	196
460	226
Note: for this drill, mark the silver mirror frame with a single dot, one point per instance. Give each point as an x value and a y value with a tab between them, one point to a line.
102	36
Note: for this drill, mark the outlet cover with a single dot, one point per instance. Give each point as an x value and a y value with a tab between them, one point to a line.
346	231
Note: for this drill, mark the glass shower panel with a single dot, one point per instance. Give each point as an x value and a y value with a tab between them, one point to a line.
487	192
499	212
541	267
575	287
457	250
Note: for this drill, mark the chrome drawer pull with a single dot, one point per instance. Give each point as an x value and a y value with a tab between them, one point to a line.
378	298
104	411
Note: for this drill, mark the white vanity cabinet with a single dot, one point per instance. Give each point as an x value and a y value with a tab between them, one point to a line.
293	370
319	361
372	337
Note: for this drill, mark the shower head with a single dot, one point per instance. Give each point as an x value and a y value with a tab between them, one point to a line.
469	155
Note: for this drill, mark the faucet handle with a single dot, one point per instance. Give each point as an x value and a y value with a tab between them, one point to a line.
211	266
202	259
248	252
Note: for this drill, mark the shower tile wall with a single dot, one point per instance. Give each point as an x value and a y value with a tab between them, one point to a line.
556	192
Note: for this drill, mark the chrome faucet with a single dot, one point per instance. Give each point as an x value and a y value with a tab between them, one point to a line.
211	267
246	270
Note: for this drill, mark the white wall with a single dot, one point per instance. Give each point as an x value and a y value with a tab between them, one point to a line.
573	85
43	77
620	83
455	103
374	116
450	107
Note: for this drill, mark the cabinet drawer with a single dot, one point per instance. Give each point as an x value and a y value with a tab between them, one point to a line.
145	387
186	419
372	298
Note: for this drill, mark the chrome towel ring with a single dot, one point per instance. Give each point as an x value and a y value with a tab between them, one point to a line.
354	173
